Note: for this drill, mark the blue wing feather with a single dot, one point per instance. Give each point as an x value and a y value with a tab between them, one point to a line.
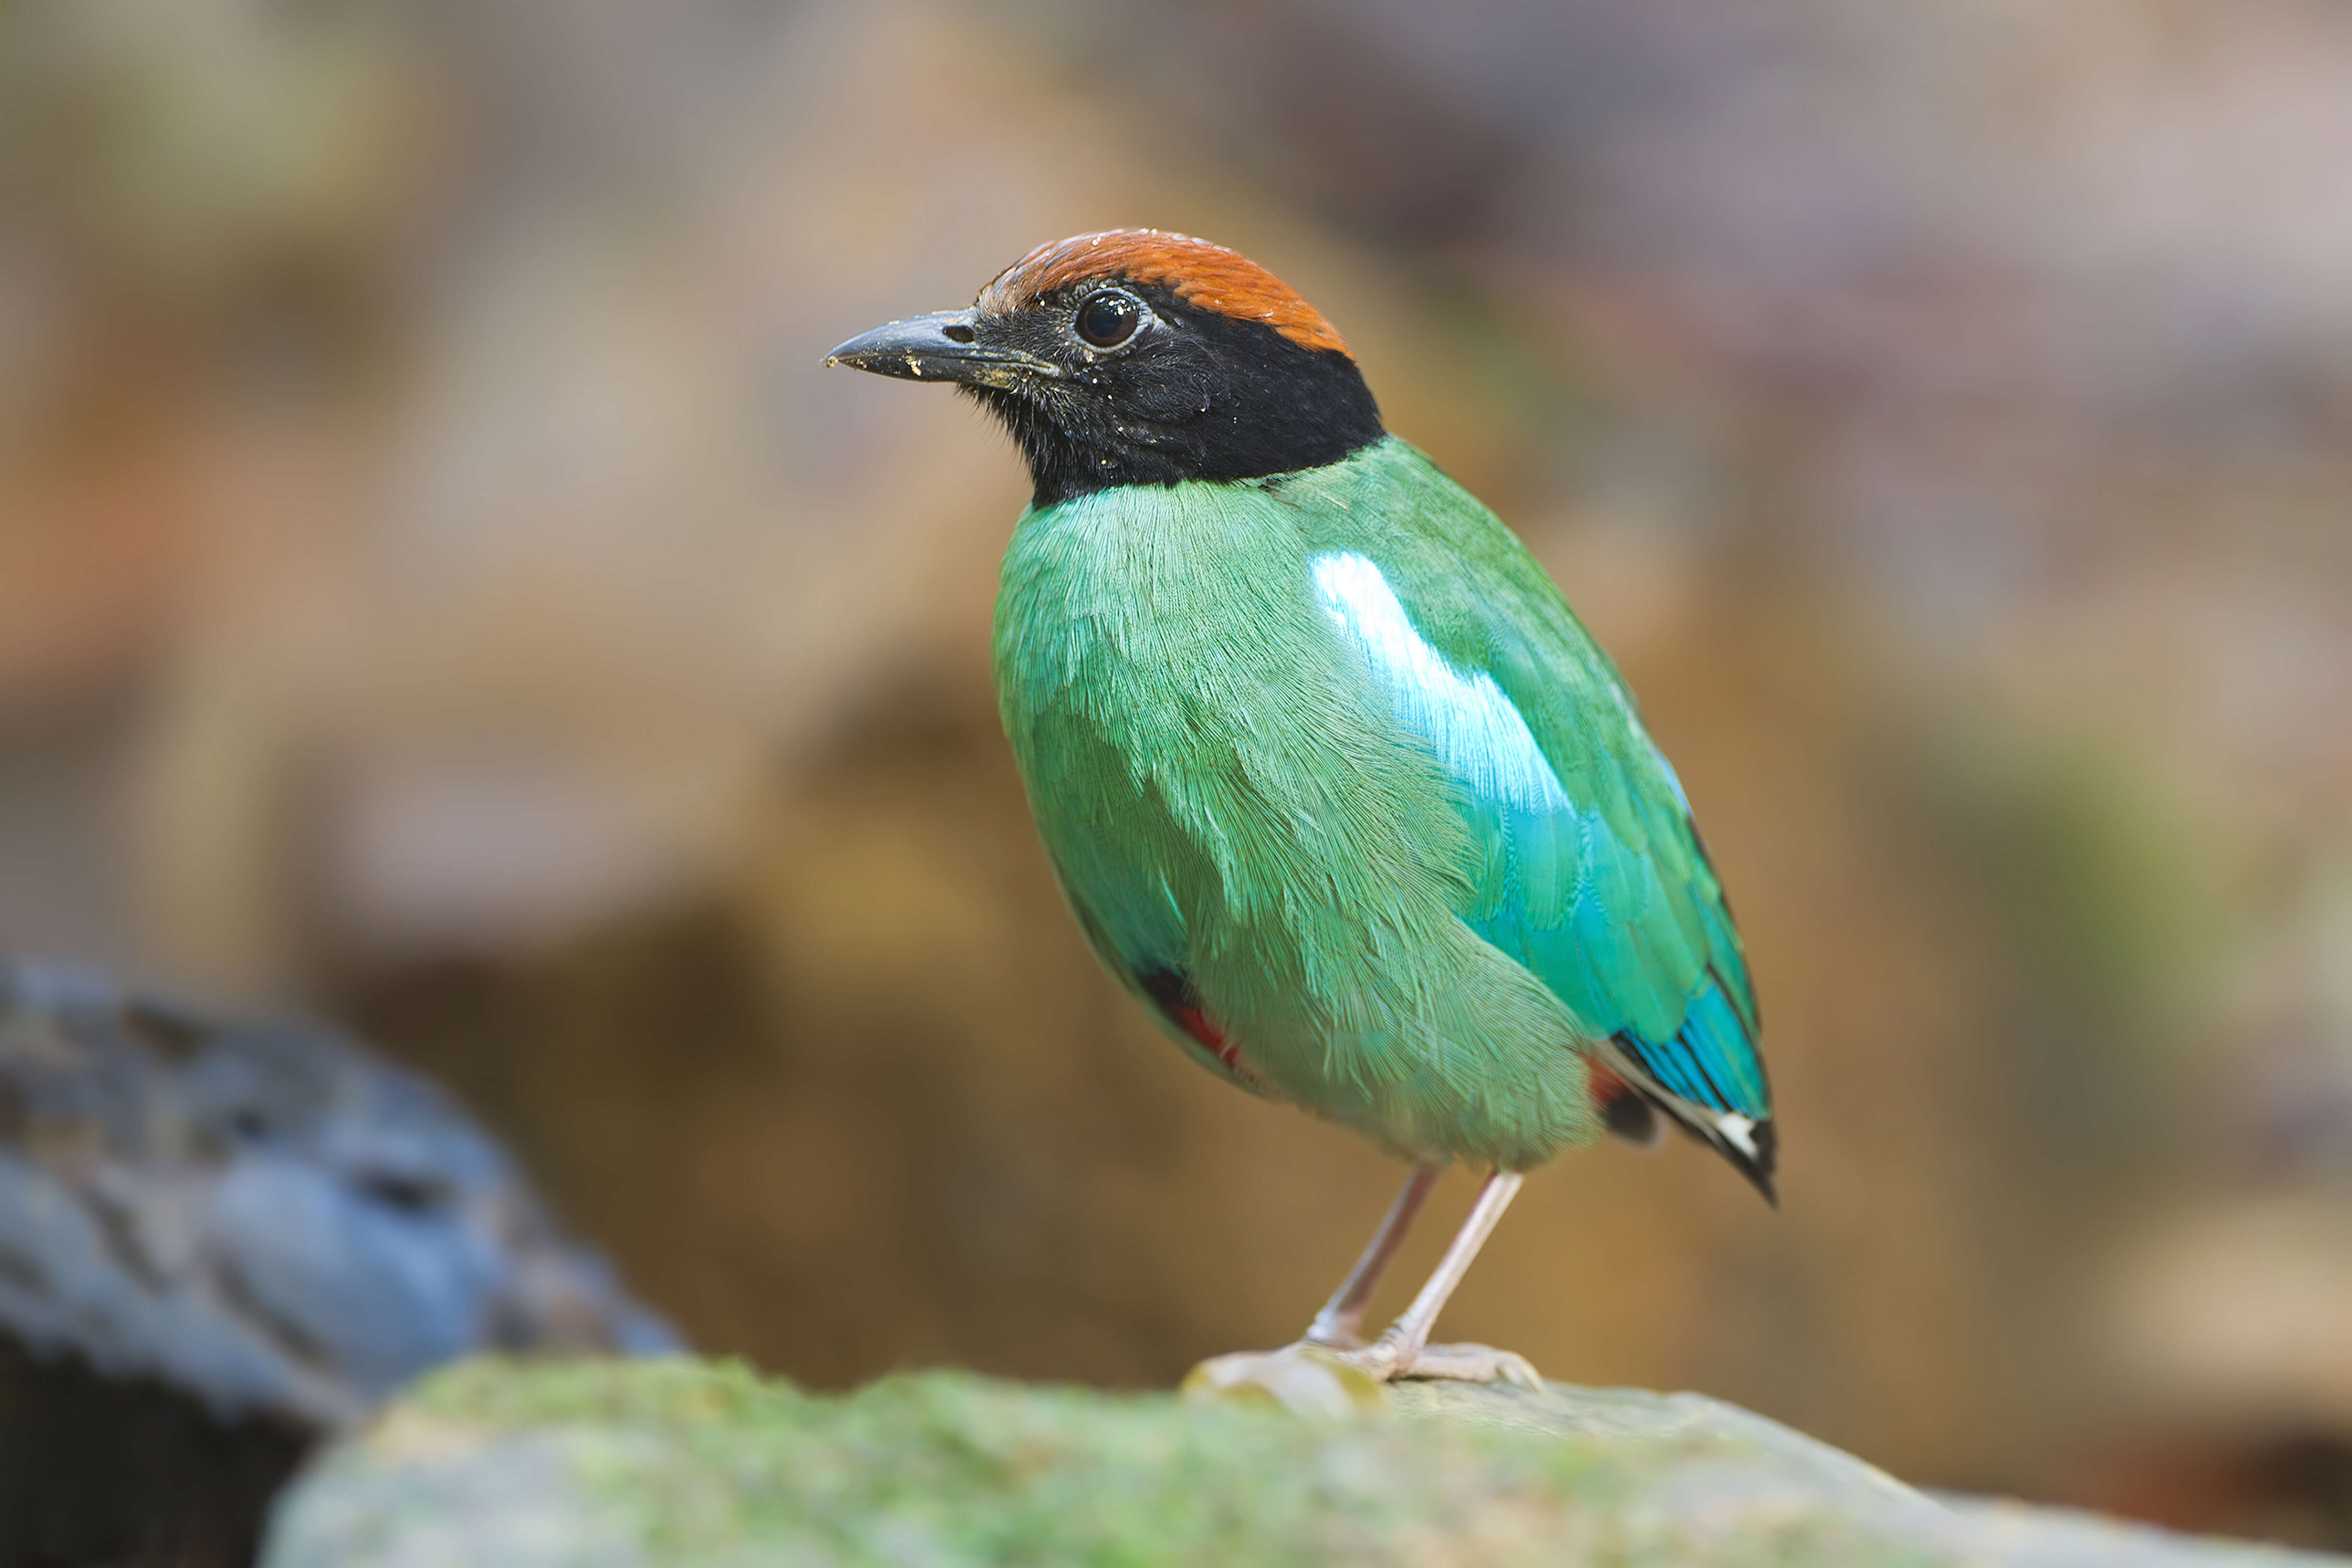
1593	874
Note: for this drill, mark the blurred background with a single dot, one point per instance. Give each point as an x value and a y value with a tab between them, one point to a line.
439	589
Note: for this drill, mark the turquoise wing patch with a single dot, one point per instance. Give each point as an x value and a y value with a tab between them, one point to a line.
1591	873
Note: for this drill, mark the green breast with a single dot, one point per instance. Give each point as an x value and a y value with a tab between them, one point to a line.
1224	795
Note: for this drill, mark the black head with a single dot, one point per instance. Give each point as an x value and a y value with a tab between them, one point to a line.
1138	357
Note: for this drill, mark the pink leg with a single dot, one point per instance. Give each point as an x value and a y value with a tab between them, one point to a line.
1409	1335
1300	1377
1341	1320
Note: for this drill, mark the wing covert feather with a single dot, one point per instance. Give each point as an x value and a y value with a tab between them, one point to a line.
1592	873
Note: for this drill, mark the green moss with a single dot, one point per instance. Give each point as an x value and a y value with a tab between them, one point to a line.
683	1463
663	1393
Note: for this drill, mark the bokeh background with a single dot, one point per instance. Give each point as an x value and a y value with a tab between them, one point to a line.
439	589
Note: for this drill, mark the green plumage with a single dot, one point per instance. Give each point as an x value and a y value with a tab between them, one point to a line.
1253	777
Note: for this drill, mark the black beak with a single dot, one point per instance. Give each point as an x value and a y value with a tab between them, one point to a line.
942	347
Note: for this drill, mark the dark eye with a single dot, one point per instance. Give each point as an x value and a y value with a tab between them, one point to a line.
1109	318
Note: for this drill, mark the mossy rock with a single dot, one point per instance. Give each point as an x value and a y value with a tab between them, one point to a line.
692	1465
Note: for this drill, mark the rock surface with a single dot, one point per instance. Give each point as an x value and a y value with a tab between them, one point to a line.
225	1238
260	1213
686	1464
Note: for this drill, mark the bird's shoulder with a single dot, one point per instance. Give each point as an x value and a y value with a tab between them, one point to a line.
1397	549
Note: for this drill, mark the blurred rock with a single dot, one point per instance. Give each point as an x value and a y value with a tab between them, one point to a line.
2236	1316
221	1239
683	1464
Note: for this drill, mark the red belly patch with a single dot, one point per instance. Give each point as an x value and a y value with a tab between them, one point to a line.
1171	991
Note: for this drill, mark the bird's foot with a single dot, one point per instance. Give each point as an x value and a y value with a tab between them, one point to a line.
1323	1379
1474	1363
1305	1379
1388	1360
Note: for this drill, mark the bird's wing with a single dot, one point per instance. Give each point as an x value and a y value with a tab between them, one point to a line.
1591	872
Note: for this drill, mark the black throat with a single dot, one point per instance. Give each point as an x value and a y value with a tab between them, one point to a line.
1205	397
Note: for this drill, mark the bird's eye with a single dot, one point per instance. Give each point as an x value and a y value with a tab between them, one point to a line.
1109	318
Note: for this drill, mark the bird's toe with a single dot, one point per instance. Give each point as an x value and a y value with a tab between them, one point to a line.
1473	1363
1305	1379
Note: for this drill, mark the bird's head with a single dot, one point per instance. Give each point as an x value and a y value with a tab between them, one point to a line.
1137	357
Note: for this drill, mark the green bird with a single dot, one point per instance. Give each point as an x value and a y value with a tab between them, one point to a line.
1335	782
